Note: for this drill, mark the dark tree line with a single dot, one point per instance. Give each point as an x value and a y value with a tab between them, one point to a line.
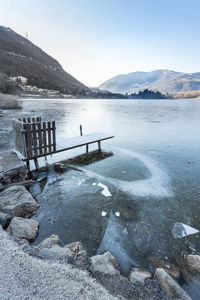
147	94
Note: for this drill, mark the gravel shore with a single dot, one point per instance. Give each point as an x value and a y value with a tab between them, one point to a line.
26	277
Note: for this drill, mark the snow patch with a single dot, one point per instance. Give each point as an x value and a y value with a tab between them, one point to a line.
103	213
105	191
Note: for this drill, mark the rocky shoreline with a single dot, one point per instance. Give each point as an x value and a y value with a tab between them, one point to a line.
17	205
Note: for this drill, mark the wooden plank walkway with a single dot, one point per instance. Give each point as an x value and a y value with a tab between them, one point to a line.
80	141
35	139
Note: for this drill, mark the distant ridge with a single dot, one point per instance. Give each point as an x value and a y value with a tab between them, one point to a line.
158	80
20	57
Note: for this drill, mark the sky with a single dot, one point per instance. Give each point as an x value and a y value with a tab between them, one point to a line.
95	40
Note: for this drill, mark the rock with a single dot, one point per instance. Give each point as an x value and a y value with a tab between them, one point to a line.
139	275
4	219
105	263
12	168
79	253
48	242
170	286
171	269
17	202
56	253
23	228
190	268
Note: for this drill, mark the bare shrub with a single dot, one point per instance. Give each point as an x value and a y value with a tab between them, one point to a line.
10	102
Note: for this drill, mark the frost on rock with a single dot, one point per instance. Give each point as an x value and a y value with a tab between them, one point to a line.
105	191
181	230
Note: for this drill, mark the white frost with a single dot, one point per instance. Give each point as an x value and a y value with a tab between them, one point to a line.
158	185
117	214
103	213
105	191
94	183
181	230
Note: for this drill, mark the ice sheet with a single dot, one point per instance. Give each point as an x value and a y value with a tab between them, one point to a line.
181	230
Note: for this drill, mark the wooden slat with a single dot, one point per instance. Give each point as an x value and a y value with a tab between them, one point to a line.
24	120
33	120
18	137
44	138
28	120
54	135
49	136
34	139
29	140
40	138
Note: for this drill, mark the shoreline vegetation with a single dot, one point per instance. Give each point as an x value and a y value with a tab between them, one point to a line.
10	102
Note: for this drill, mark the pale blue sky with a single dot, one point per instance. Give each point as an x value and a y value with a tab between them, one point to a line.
95	40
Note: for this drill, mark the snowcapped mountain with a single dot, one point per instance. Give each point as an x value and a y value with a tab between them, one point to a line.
158	80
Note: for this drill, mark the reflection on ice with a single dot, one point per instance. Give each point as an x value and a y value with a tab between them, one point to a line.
181	230
115	241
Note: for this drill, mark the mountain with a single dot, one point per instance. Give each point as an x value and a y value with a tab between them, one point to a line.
158	80
20	57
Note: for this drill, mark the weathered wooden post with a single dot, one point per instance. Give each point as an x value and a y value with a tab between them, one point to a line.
87	149
81	131
99	146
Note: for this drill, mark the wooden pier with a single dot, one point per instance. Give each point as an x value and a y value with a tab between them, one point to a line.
35	139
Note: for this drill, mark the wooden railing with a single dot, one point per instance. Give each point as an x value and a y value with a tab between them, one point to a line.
34	138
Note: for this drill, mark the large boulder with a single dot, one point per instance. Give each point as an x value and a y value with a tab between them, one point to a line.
17	202
4	219
56	253
49	242
105	263
190	268
23	228
139	275
170	286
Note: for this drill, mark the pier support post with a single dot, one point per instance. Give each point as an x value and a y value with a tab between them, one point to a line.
87	149
99	146
36	163
28	165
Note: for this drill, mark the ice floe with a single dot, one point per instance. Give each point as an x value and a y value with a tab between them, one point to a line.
105	191
181	230
117	214
115	240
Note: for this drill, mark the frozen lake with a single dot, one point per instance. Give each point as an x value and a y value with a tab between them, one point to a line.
132	202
